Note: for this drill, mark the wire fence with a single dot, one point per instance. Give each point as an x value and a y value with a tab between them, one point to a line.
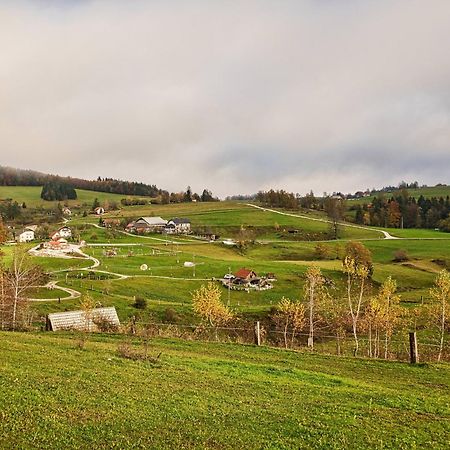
396	348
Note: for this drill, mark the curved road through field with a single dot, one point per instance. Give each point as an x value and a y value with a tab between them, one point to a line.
385	234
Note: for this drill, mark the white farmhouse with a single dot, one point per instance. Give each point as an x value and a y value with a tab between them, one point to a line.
178	226
26	235
63	232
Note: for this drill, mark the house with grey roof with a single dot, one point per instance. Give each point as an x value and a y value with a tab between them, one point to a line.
147	225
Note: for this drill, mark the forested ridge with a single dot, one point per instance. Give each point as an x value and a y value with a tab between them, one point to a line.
18	177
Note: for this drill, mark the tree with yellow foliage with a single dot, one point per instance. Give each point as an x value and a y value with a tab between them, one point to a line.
382	316
206	302
3	232
290	316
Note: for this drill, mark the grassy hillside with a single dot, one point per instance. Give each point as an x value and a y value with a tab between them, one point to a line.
229	217
211	396
167	283
31	195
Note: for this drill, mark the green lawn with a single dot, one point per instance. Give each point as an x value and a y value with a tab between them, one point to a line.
213	396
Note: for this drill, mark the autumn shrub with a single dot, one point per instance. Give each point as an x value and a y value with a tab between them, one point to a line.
171	316
400	255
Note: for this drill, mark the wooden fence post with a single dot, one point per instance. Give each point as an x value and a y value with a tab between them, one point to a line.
414	354
257	333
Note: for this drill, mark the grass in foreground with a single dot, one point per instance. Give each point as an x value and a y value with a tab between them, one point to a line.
53	395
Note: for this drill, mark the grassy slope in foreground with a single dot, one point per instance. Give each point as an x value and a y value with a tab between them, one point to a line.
213	396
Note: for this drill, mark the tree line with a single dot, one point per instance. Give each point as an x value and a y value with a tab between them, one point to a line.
403	211
63	188
289	200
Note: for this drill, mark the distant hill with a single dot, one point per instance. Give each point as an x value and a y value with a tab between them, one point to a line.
440	190
17	177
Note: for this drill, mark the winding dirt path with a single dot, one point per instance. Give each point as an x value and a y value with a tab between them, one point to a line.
73	294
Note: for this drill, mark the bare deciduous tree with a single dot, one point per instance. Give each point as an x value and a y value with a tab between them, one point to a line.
16	281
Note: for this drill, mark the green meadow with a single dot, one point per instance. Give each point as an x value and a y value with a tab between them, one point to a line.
212	396
167	283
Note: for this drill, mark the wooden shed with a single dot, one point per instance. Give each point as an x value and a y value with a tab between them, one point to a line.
94	320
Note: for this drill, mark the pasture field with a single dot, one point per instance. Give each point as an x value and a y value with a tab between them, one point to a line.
213	396
168	284
228	219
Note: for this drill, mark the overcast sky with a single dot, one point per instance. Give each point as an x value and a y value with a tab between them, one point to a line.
235	96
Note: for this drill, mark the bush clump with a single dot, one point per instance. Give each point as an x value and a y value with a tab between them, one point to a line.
140	303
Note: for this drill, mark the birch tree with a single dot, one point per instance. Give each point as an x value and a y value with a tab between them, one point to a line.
440	306
314	293
357	275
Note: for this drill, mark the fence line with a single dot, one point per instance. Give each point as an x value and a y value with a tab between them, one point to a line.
397	349
288	331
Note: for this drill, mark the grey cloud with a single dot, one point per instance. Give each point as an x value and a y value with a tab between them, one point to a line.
234	96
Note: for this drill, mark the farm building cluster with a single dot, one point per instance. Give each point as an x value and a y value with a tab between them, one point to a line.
58	245
28	234
145	225
246	279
